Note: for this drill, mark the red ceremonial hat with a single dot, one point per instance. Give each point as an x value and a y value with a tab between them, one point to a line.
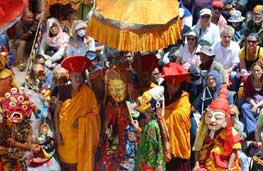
221	104
76	63
174	73
218	4
145	63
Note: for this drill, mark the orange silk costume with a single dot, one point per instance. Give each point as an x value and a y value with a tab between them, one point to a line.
211	154
80	143
177	118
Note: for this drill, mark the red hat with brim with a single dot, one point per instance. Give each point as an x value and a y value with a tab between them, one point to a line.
76	63
174	73
145	63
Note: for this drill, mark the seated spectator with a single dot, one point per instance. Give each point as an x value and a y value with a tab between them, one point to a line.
227	53
25	31
256	24
250	53
217	17
253	94
259	127
208	63
209	93
239	126
236	21
80	43
198	5
186	17
53	43
187	55
205	29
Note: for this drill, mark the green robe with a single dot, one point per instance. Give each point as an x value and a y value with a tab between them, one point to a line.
150	150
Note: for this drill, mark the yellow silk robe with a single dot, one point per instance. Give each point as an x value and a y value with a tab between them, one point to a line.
211	154
177	119
80	143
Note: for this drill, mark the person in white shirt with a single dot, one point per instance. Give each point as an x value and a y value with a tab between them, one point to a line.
227	52
187	52
205	29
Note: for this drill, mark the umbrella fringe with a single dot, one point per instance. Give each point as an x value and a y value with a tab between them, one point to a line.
135	40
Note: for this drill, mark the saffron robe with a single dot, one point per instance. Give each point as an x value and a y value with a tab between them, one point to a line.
80	143
177	119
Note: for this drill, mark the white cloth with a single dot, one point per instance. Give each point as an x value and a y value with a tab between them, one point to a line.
187	56
228	56
211	34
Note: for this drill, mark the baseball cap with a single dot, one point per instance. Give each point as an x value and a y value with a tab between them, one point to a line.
207	51
205	11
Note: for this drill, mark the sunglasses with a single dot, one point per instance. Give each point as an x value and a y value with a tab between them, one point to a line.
216	8
252	41
190	39
205	16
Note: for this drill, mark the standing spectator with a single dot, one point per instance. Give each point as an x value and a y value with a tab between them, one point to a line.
236	21
77	119
25	32
187	55
250	53
217	17
208	63
253	94
256	24
177	117
227	53
205	29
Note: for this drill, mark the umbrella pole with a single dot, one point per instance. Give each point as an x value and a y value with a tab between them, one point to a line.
32	52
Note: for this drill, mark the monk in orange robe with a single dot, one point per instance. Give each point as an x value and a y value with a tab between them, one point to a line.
177	117
77	119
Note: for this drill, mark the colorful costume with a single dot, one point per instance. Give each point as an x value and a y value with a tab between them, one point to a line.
150	149
216	140
120	138
6	75
80	143
15	129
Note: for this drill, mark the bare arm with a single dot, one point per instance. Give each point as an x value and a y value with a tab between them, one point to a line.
56	118
197	157
231	159
258	133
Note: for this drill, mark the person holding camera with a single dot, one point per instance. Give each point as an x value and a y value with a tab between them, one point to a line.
213	85
25	30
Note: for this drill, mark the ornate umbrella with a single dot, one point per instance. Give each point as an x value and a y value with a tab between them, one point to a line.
135	25
10	12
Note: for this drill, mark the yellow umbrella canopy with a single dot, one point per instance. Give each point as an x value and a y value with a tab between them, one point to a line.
136	25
